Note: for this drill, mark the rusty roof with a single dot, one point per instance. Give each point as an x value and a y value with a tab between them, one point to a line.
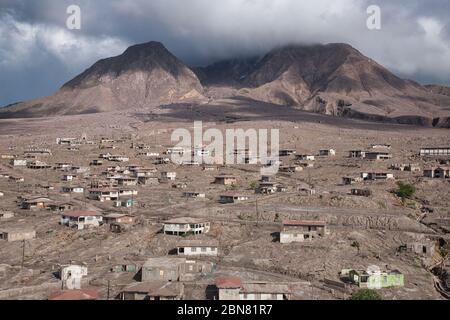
228	283
304	223
84	294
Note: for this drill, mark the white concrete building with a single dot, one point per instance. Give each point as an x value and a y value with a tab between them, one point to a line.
81	219
72	275
198	248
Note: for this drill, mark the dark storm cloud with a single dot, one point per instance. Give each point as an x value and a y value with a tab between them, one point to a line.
38	54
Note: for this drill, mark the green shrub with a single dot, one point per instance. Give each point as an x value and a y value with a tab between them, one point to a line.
405	191
366	294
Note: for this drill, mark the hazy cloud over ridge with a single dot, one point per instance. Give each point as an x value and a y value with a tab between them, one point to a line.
38	53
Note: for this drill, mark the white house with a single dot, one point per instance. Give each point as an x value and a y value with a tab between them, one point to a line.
18	162
168	175
72	189
327	152
186	226
198	248
72	274
81	219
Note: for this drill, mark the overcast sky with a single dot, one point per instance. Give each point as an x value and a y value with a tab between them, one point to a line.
38	53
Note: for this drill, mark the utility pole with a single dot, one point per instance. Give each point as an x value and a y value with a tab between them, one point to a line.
257	211
23	253
107	295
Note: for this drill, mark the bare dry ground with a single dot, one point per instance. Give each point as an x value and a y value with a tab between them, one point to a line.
380	223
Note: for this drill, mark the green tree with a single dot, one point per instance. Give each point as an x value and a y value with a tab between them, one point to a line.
405	190
365	294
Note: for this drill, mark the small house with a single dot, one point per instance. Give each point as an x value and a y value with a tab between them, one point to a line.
118	218
327	153
72	274
186	226
357	154
69	177
72	189
287	152
39	203
198	248
232	198
18	162
290	169
302	230
378	156
104	194
153	290
81	219
351	180
361	192
305	157
441	172
377	176
174	269
233	288
171	176
194	195
225	180
5	215
435	152
17	234
374	278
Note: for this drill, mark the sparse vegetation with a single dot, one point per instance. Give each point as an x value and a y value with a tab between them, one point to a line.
366	294
405	191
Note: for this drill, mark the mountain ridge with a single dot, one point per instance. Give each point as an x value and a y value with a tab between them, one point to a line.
334	79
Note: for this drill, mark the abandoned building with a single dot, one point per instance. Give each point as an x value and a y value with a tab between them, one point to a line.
357	154
194	195
168	176
435	152
287	152
351	180
61	206
232	198
290	169
437	172
361	192
5	215
119	218
378	156
153	290
198	248
71	275
373	278
305	157
377	176
225	180
301	230
174	269
40	203
185	226
17	234
18	162
425	248
72	189
327	153
233	288
38	165
104	194
81	219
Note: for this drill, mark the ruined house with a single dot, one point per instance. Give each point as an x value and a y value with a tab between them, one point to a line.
373	278
17	234
198	248
233	288
302	230
186	226
225	180
174	269
81	219
153	290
